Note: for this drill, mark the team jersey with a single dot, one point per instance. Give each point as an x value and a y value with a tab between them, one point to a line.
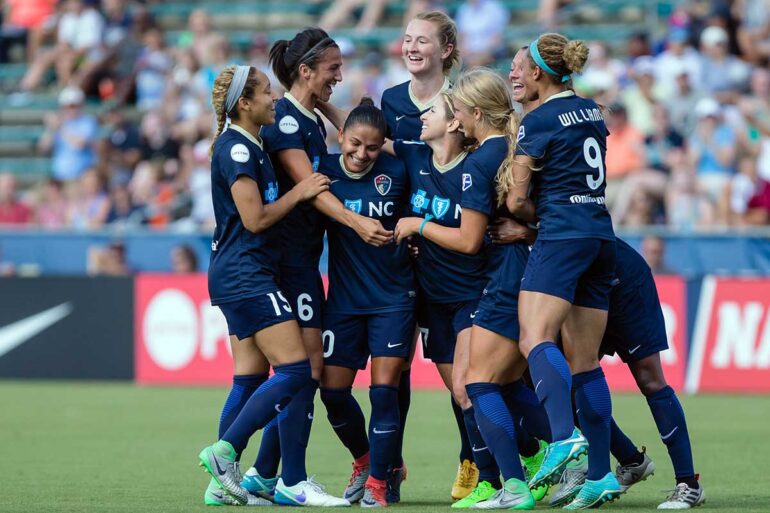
630	266
303	228
364	278
567	137
445	276
402	111
243	264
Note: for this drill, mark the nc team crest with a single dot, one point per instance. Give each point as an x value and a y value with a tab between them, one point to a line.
439	206
354	205
382	183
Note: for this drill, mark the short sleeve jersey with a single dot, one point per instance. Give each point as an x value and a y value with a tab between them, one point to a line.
243	264
567	137
298	128
364	278
445	276
402	111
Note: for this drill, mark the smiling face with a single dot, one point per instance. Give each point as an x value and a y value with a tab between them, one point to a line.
361	145
527	76
325	75
422	50
468	117
515	76
436	121
260	108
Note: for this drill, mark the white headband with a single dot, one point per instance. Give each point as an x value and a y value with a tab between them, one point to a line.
240	75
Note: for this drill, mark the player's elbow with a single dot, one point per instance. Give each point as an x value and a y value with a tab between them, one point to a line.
471	245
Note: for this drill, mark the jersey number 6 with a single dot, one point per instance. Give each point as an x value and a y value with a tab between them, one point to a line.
593	155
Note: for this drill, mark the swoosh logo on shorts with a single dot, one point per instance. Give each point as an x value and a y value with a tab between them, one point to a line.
391	346
632	351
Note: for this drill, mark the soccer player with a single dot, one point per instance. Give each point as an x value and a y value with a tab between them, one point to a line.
370	309
454	210
569	273
242	276
308	66
430	51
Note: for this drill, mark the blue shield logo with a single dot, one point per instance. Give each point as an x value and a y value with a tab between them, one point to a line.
271	194
439	206
354	205
419	201
382	183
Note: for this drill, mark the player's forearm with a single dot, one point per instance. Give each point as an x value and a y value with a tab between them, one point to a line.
453	238
521	207
334	114
274	212
328	204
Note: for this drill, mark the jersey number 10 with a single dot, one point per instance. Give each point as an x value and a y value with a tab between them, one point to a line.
593	155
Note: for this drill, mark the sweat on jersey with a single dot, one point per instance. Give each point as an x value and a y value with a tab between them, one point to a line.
298	128
445	276
364	278
402	111
243	264
567	137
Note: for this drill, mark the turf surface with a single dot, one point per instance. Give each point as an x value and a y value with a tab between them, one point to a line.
74	447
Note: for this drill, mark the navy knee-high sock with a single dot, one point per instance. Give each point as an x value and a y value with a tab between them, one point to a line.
347	419
522	400
294	425
553	383
594	409
267	401
485	462
383	429
243	386
404	401
466	453
496	426
621	446
672	426
269	455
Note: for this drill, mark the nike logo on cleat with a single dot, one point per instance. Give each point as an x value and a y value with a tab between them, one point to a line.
632	351
219	469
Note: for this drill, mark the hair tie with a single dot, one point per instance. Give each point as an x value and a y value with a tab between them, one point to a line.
240	75
535	53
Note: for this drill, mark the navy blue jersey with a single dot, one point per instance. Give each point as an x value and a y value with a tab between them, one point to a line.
364	278
567	137
296	127
630	266
402	111
480	172
243	264
445	276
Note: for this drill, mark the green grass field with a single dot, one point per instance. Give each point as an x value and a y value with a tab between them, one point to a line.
74	447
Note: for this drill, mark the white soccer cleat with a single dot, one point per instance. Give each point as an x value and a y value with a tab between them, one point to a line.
306	493
684	497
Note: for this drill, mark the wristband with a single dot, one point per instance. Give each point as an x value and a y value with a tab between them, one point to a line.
424	221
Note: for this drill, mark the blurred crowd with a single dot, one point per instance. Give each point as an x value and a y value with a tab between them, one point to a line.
688	107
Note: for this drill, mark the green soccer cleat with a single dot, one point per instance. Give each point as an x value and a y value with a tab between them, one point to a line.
483	491
531	464
595	493
558	454
219	461
514	494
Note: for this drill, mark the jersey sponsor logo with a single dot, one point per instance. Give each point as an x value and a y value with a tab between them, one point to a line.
520	135
580	199
271	194
382	183
419	201
439	206
467	181
288	125
353	205
239	153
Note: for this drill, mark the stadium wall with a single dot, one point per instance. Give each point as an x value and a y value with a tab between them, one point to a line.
160	329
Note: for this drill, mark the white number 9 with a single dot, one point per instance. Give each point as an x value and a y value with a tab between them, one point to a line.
593	155
304	310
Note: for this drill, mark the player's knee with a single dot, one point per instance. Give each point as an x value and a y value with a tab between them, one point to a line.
648	376
651	384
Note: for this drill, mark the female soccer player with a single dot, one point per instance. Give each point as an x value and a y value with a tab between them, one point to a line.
243	271
370	310
569	273
308	66
454	244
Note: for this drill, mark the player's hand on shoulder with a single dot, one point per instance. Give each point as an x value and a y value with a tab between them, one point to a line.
312	186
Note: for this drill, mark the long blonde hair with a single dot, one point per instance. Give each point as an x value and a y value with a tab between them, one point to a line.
485	89
219	97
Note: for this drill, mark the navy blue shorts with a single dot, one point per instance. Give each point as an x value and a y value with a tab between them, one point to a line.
497	318
580	271
635	326
498	309
444	322
248	316
349	339
304	289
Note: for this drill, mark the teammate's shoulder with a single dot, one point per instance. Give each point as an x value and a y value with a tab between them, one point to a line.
329	165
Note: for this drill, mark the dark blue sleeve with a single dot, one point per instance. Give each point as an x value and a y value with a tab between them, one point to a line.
532	139
285	133
477	192
236	159
388	112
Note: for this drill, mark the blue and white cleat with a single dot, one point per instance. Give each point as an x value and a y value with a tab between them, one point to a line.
595	493
258	485
557	455
306	493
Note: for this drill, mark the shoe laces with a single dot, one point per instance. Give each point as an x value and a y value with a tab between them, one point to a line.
237	471
315	485
678	494
465	475
357	471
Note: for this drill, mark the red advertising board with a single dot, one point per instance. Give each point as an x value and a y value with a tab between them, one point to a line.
182	339
672	291
731	340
